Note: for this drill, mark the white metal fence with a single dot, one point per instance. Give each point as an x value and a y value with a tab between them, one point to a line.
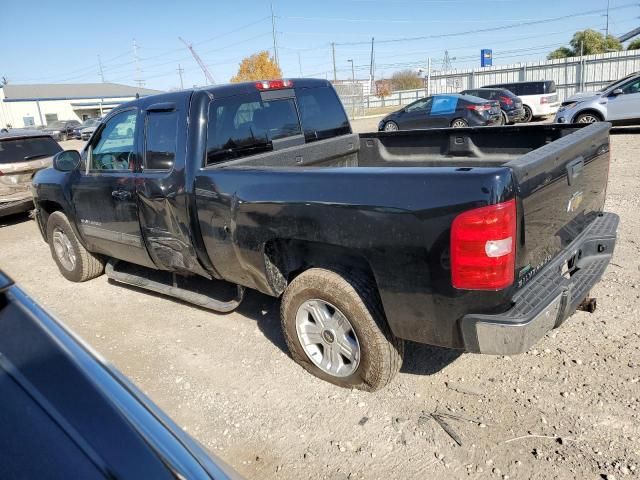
571	75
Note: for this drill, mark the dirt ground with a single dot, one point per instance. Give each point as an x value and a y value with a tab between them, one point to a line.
566	409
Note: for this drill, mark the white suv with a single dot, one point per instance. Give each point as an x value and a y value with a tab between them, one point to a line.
539	97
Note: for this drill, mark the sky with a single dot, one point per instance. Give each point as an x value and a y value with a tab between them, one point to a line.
60	42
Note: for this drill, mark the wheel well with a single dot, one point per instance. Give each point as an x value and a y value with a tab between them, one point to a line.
46	208
286	259
588	110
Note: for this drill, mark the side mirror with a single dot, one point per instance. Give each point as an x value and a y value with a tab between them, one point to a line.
617	91
66	161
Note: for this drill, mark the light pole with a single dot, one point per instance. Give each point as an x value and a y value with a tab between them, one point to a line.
353	72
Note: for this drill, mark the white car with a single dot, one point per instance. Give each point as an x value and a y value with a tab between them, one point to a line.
618	102
539	97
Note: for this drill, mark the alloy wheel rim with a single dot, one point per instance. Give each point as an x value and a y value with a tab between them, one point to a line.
390	127
64	249
328	338
587	119
459	124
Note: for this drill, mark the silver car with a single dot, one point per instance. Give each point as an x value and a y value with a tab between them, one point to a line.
22	154
618	102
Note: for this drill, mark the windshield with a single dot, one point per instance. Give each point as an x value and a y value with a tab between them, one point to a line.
616	82
20	149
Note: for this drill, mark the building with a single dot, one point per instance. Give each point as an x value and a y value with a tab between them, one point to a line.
40	104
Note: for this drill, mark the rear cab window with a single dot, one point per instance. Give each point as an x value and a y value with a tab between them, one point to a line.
250	124
14	150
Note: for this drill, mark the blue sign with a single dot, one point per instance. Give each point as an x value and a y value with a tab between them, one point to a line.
486	57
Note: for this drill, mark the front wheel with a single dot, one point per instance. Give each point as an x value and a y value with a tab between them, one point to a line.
335	329
64	137
587	118
459	123
74	261
390	127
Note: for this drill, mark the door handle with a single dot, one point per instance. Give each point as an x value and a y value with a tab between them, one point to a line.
121	194
574	169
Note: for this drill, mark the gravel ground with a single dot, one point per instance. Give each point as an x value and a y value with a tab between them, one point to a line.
566	409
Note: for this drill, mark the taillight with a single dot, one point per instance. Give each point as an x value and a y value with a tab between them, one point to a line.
479	108
274	84
506	100
483	247
545	100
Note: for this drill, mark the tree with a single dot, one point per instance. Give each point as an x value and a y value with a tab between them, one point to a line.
591	41
587	42
406	80
383	89
562	52
635	45
259	66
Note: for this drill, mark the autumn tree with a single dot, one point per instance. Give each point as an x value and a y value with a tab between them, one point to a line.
635	45
259	66
406	80
383	89
562	52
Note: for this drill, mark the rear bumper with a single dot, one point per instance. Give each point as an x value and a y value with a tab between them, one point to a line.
548	299
515	115
16	206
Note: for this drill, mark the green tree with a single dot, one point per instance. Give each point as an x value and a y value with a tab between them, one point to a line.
562	52
635	45
406	80
258	66
591	41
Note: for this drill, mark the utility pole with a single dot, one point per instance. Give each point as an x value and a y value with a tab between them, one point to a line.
275	40
180	70
100	70
299	64
333	55
353	73
138	78
606	35
428	76
371	83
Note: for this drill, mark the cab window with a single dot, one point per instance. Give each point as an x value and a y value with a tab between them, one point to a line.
632	87
245	125
420	105
161	138
112	148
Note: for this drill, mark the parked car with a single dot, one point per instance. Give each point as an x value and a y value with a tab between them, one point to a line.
511	105
22	153
61	129
441	111
67	414
618	102
539	97
86	129
479	239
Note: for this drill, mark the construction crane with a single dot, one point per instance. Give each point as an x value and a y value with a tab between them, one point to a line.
204	68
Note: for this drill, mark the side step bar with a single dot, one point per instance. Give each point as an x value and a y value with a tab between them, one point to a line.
191	289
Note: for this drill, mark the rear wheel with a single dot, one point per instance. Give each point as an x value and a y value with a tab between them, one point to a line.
335	329
74	261
390	127
587	117
459	123
64	136
528	114
505	119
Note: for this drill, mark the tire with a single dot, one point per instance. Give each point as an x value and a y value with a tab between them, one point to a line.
380	353
61	237
459	123
528	114
391	127
64	137
505	119
587	117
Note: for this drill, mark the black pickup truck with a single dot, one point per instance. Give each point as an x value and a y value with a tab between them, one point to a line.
480	239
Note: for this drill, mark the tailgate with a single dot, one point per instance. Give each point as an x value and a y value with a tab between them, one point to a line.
561	190
15	178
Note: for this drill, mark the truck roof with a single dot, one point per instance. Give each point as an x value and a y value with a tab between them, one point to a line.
21	133
229	89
